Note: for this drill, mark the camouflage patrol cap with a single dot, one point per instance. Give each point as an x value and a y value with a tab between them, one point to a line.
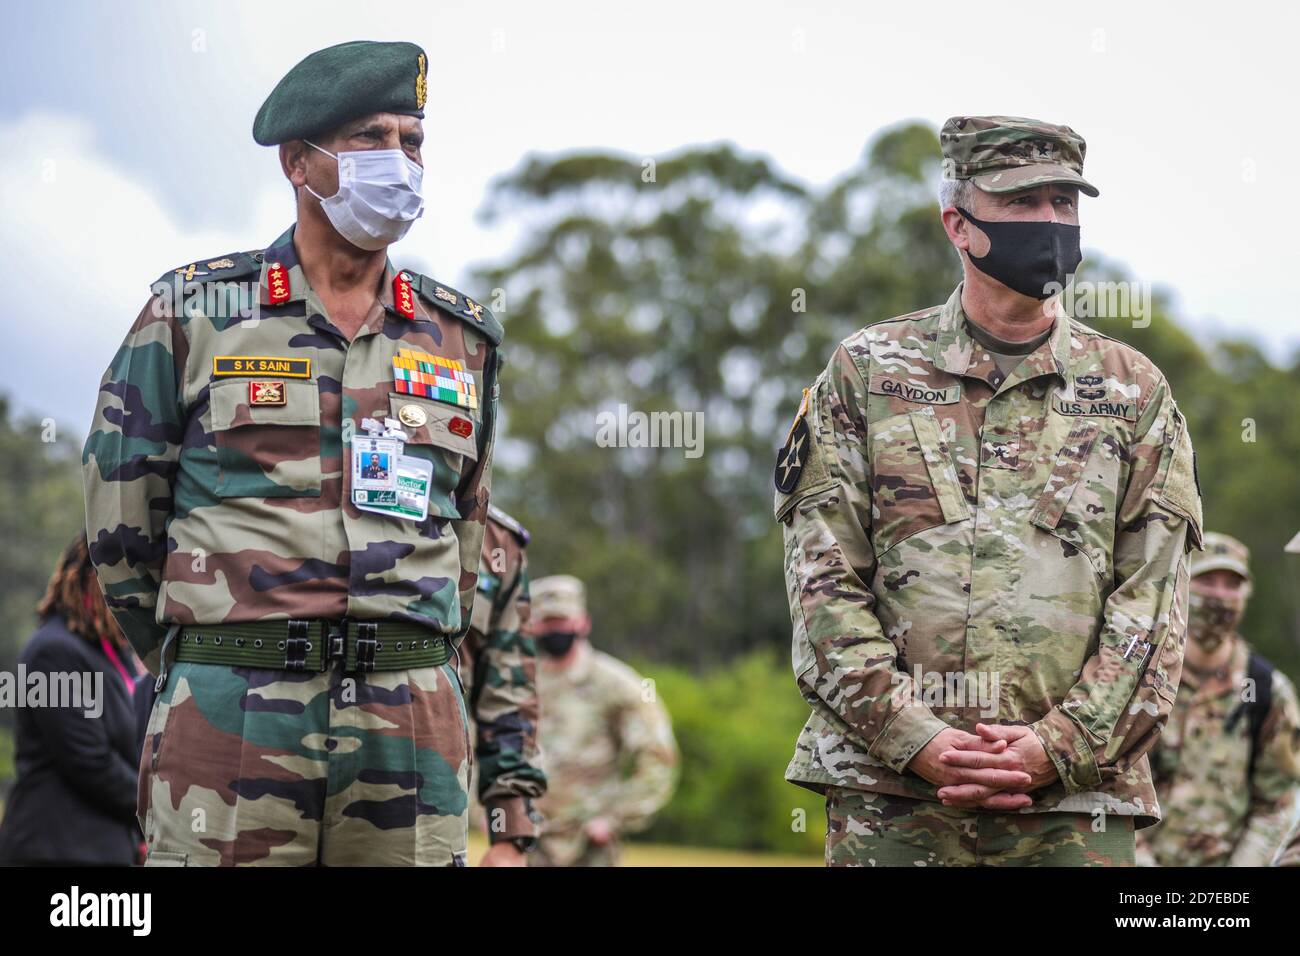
1001	154
560	595
340	83
1222	553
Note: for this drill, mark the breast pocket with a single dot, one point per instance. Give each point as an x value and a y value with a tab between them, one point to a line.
914	484
1077	505
267	436
445	435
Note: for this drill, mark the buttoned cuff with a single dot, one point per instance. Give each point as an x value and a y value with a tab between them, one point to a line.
509	818
906	733
1069	750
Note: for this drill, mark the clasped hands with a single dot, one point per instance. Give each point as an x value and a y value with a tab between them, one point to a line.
991	769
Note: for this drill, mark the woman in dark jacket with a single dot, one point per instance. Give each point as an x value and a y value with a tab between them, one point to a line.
74	801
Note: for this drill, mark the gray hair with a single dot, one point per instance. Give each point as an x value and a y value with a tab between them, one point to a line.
956	192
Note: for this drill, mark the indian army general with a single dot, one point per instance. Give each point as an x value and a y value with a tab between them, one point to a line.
606	740
987	511
1227	767
300	608
499	668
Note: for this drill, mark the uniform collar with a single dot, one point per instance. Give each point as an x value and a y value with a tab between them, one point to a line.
955	351
282	271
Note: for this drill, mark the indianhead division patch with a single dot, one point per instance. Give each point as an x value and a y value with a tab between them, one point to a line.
792	457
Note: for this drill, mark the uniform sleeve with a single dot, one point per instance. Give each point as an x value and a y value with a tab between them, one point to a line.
649	751
128	465
472	496
1275	781
1127	688
505	715
845	666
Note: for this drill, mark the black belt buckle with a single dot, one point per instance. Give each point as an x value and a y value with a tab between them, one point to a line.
366	643
297	645
336	640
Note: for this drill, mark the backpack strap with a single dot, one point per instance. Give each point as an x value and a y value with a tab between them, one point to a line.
1260	674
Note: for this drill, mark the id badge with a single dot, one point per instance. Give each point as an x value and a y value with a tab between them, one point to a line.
374	464
411	496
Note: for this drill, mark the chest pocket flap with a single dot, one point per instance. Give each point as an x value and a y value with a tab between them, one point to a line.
445	435
267	437
446	426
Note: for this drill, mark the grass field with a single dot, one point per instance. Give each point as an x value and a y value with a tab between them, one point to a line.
654	854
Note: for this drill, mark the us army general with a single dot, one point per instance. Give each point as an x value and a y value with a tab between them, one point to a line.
987	511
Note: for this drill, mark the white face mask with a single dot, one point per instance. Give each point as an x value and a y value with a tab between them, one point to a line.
378	198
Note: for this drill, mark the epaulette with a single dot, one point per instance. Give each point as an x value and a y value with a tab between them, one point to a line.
509	523
458	304
230	266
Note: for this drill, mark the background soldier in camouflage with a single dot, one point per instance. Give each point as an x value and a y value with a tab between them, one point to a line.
606	741
987	509
1227	766
499	667
220	508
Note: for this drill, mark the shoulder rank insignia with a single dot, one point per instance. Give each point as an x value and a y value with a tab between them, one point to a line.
403	298
188	273
451	302
277	283
221	264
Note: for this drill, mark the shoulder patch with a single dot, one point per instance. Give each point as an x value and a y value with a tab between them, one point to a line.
800	466
509	523
469	311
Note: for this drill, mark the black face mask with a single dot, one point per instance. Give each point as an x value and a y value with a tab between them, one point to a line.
556	643
1029	257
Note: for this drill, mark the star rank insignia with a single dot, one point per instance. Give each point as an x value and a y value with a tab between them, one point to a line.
266	393
791	459
403	301
473	310
277	283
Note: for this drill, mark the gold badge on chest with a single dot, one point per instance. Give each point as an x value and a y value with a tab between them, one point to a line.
412	415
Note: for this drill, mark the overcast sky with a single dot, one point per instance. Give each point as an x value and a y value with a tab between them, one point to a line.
126	146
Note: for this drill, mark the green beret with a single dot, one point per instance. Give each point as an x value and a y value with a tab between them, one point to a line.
340	83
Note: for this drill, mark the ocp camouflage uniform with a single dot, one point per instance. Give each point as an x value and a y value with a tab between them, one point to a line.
1290	855
207	507
1216	812
608	751
1031	530
499	668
